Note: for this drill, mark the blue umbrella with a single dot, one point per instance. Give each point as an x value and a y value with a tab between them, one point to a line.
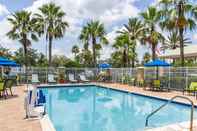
7	62
2	59
157	63
104	65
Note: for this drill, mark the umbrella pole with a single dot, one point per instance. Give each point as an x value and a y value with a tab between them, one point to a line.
157	73
2	72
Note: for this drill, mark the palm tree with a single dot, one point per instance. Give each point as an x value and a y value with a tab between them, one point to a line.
122	45
86	57
172	41
75	50
51	23
127	48
94	31
179	15
85	37
116	59
22	30
146	58
134	29
151	18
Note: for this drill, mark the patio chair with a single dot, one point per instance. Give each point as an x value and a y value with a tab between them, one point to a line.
141	83
132	81
3	91
157	85
34	79
83	78
51	78
71	78
9	84
192	88
32	109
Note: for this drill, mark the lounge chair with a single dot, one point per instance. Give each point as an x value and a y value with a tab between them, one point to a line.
192	88
71	78
32	109
83	78
51	78
34	79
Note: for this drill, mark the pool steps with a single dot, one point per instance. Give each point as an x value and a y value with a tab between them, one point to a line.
183	126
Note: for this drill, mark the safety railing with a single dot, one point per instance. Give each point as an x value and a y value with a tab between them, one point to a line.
169	101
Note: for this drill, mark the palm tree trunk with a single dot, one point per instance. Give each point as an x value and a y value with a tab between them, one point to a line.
133	57
25	55
182	47
50	50
124	58
94	51
181	29
153	51
128	60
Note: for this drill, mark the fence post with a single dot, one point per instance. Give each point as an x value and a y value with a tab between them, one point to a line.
186	77
169	70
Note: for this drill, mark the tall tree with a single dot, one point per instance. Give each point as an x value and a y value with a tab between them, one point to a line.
42	60
51	22
32	57
151	18
22	30
116	59
179	15
134	29
93	32
146	58
4	52
85	58
75	50
123	45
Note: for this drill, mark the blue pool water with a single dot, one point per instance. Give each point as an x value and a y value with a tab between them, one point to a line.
100	109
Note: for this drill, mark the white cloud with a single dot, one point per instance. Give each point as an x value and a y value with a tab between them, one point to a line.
4	40
112	35
3	10
109	12
195	36
36	4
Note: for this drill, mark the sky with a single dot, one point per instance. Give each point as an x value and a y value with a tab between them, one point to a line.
113	13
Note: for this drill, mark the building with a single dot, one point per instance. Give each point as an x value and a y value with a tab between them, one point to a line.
190	51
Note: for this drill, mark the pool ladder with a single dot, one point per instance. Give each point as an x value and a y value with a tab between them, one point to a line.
169	101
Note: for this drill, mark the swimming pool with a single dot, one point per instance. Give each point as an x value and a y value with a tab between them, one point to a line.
95	108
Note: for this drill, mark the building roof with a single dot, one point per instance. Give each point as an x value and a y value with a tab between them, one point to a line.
189	51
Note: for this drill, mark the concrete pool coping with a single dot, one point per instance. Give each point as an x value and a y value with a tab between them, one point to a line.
46	124
183	126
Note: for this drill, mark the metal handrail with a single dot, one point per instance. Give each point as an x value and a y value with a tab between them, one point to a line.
169	101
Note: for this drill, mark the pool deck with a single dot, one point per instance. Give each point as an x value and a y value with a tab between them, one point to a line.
12	111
